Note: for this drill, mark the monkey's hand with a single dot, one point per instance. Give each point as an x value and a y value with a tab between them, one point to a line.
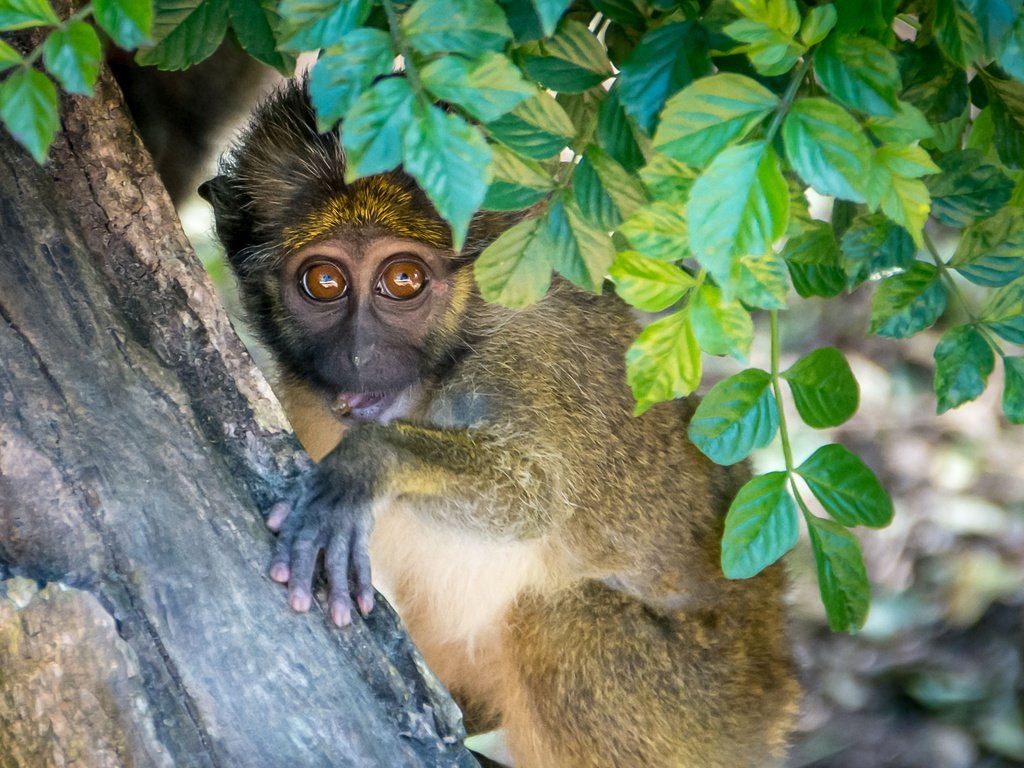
326	513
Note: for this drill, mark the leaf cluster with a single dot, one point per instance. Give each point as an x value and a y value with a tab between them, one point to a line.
672	146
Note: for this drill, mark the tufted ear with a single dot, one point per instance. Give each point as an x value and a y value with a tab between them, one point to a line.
234	225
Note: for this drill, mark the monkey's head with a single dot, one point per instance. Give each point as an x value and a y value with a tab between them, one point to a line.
354	287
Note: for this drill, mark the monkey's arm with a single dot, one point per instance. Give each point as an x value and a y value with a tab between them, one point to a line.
482	479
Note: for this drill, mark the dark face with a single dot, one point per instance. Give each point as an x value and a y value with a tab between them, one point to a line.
363	309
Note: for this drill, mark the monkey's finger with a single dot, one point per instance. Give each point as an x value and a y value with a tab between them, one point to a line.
277	515
280	568
336	565
359	560
303	563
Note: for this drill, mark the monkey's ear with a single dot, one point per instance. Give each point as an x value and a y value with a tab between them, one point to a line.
234	225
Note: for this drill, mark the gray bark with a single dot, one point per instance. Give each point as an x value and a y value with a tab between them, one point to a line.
137	442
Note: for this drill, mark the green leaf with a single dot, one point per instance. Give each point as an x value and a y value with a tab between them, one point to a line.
518	182
846	487
572	61
257	25
991	252
625	191
469	27
128	22
709	115
859	72
827	148
907	202
451	162
579	251
762	280
813	261
907	125
647	284
28	107
1013	389
374	127
739	206
721	327
968	189
760	528
906	160
1006	101
73	55
907	303
309	25
22	14
186	32
487	87
346	71
537	128
549	12
994	18
842	579
658	231
824	389
963	362
1011	57
1004	312
665	60
593	198
737	416
615	132
8	56
629	13
957	33
664	361
817	24
767	29
932	84
668	180
873	247
515	270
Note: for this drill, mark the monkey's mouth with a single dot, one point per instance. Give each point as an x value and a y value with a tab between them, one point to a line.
364	406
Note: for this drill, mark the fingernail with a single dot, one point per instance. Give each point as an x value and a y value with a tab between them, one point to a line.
280	572
277	514
365	603
341	615
299	602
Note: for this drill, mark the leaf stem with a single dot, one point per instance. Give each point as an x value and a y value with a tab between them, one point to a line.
787	451
403	50
953	289
788	98
80	15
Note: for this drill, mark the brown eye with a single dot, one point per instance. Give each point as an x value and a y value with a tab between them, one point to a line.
324	282
402	280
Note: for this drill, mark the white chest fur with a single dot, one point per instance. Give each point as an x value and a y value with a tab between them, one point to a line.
453	584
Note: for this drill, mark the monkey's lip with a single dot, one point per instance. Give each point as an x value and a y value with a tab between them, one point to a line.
363	406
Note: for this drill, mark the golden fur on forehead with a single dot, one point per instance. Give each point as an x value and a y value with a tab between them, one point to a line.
376	200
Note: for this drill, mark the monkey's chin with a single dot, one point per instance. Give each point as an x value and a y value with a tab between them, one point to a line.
380	407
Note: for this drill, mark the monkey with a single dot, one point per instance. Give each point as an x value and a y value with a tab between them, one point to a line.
554	557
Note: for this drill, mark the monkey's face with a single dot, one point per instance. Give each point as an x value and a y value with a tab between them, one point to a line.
358	312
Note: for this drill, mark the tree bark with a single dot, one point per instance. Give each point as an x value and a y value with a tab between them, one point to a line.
137	442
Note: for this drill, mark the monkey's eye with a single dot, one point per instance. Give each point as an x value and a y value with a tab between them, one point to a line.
324	282
402	280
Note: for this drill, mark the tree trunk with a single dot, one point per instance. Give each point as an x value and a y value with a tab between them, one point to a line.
137	442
